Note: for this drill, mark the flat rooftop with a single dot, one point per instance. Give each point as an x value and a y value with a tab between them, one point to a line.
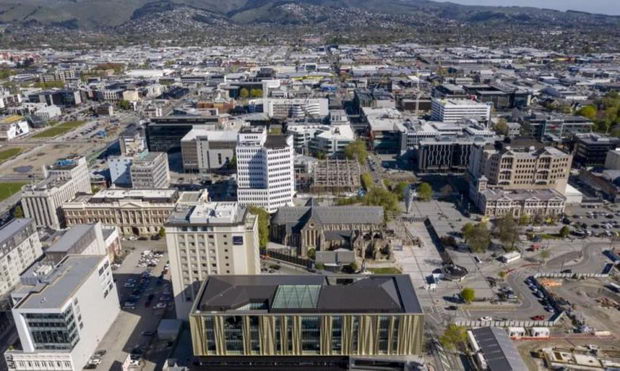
213	213
308	294
12	228
70	238
67	277
498	350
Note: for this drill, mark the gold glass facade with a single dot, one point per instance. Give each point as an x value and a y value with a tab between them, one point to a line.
307	334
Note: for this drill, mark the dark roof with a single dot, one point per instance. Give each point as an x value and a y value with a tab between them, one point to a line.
276	141
297	217
498	350
309	294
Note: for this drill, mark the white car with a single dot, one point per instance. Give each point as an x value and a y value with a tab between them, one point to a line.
486	318
160	306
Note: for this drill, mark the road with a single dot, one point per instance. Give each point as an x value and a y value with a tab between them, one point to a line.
126	332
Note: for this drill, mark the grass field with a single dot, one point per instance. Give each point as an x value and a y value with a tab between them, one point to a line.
59	129
388	270
8	153
9	189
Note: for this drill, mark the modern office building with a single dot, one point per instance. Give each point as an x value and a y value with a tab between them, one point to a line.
149	170
20	247
591	149
455	110
63	181
208	239
307	319
137	212
283	108
164	134
131	140
555	127
119	170
265	169
612	159
62	312
207	151
324	139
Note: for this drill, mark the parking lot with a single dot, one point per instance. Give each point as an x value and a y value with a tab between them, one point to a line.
146	299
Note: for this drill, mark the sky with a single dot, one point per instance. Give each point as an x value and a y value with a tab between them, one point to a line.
592	6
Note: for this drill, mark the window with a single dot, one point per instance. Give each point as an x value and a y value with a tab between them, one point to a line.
233	334
383	335
210	334
394	346
310	334
254	335
337	334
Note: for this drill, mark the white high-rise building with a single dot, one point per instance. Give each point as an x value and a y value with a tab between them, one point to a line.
19	248
265	169
454	110
62	312
209	238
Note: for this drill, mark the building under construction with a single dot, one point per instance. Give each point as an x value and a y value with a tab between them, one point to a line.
336	176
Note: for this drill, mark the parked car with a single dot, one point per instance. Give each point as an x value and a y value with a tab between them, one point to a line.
486	318
538	317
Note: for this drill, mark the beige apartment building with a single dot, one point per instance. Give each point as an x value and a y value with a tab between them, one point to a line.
521	168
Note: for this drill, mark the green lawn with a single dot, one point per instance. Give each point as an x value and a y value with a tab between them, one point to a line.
8	153
59	129
9	189
388	270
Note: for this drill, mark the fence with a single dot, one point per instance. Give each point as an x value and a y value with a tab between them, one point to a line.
286	257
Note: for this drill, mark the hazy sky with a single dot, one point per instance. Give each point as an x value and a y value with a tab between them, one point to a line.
592	6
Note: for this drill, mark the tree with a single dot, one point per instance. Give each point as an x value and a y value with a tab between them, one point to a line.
162	232
454	337
538	219
379	196
256	93
468	295
311	253
480	238
508	231
124	104
18	212
467	231
564	231
588	112
399	189
357	151
524	219
425	192
367	181
263	224
244	93
232	164
501	127
503	274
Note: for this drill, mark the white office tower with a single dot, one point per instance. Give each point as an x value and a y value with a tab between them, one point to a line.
62	312
19	248
265	172
206	239
455	110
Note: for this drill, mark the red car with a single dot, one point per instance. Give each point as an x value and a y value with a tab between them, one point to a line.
538	317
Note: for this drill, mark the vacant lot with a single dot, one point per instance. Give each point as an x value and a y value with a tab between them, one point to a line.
9	189
8	153
59	129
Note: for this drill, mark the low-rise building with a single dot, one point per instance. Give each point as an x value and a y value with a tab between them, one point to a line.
12	127
62	312
206	151
315	319
324	227
137	212
85	239
149	170
454	110
208	239
494	351
591	149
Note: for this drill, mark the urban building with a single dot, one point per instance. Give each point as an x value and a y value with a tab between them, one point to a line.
612	159
85	239
325	227
63	181
61	313
283	108
317	138
20	247
64	97
494	350
265	170
455	110
384	127
209	239
336	176
555	127
498	202
206	151
119	170
591	149
164	134
134	212
313	318
12	127
605	183
131	140
508	167
149	170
